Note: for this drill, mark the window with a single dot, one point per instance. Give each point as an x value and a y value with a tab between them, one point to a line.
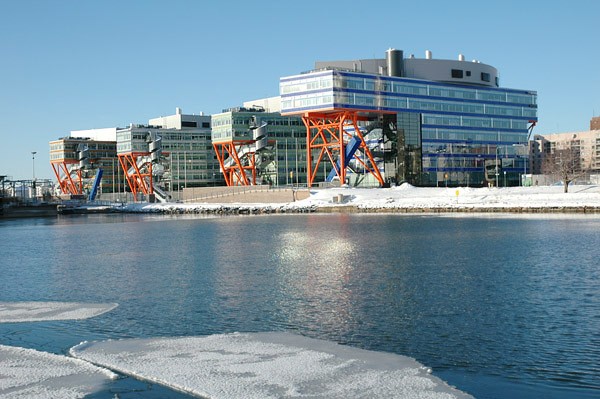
485	76
188	124
468	73
205	124
457	73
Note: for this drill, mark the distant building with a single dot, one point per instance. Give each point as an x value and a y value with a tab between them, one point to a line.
427	121
188	159
585	143
595	123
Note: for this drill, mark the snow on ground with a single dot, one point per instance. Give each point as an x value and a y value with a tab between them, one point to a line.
27	373
13	312
267	365
407	197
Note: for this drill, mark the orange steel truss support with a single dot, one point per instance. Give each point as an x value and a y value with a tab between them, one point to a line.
326	133
138	181
70	181
236	174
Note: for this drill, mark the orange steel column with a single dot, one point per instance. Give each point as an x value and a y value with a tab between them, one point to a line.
325	132
65	180
327	139
235	175
137	181
370	165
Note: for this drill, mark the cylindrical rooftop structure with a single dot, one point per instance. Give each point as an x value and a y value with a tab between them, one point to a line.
395	62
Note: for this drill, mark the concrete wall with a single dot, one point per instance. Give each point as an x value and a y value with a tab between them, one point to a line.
243	194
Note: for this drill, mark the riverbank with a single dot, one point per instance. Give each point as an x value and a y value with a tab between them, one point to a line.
13	211
405	199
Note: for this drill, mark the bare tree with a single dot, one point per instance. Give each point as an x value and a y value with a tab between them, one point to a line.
565	164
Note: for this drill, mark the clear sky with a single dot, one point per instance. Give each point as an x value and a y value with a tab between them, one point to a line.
75	64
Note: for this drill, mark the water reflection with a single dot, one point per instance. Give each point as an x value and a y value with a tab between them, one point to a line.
500	300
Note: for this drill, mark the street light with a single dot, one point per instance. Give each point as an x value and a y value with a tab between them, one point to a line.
33	161
33	194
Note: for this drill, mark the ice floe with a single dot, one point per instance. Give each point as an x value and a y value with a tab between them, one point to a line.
13	312
267	365
27	373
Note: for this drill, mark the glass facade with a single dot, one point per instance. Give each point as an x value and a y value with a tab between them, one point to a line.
189	157
102	154
284	159
445	132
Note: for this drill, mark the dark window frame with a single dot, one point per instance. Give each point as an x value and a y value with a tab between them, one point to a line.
457	73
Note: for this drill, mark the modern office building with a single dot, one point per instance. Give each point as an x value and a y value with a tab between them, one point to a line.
258	145
76	159
187	158
426	121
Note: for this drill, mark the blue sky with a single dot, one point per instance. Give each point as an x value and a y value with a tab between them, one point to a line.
75	64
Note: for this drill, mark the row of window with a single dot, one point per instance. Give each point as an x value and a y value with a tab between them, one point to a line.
471	135
194	124
428	105
245	121
72	146
469	162
452	149
310	83
322	100
459	74
447	120
377	84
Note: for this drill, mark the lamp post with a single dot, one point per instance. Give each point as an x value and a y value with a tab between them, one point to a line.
33	161
33	193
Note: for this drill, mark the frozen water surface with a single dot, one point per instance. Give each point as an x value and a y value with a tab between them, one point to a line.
27	373
267	365
13	312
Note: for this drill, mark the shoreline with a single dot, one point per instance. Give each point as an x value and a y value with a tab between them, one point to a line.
263	209
405	199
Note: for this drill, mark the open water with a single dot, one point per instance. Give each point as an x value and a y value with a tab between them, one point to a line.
499	306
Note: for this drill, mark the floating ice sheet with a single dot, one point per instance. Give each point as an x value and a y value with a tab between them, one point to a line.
27	373
12	312
267	365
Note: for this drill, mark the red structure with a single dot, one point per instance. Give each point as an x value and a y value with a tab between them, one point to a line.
237	160
137	169
69	178
327	134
